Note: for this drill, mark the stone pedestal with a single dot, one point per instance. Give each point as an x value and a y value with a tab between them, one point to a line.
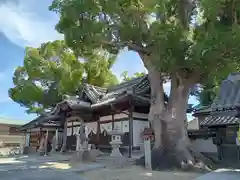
116	142
115	149
147	136
82	151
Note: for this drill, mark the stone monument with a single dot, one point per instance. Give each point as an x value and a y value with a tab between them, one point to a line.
116	141
54	144
41	147
82	150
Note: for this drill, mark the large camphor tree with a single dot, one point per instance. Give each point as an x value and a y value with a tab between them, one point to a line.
53	70
185	41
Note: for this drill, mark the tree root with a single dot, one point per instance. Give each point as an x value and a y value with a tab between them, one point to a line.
193	161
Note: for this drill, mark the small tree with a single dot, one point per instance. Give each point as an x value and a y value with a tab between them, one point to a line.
52	70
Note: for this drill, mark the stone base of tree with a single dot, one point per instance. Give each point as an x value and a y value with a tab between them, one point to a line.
162	160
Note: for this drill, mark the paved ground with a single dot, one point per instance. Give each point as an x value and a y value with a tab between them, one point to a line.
137	173
38	174
58	167
222	174
42	168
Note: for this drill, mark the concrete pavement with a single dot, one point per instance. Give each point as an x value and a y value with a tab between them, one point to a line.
38	174
221	174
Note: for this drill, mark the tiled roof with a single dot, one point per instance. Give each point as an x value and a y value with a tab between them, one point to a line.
38	121
127	84
139	88
219	120
94	93
98	95
223	109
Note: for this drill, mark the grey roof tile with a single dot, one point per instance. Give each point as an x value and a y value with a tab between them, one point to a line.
218	120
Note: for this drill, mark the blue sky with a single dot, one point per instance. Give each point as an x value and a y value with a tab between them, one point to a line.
29	23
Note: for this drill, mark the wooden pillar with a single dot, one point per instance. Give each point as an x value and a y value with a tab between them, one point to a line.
98	130
113	121
130	125
72	128
56	140
46	143
64	145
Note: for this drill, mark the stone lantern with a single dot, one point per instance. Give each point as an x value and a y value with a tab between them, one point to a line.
116	141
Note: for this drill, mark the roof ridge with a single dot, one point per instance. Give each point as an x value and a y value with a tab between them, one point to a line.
95	86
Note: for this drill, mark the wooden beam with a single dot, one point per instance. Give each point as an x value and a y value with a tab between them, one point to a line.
113	121
130	122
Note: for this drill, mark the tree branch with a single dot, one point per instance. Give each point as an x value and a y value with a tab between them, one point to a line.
130	45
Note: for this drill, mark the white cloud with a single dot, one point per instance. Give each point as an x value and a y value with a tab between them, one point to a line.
23	24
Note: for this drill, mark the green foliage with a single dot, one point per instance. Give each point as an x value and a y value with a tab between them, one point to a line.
207	95
125	77
51	71
160	29
98	69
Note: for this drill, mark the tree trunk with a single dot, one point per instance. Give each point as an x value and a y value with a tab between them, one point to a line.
157	105
176	139
172	146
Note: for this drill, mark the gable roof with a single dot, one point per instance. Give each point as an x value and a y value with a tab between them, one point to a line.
38	121
96	96
139	86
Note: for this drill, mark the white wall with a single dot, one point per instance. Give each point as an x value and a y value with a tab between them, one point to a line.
205	145
138	127
123	125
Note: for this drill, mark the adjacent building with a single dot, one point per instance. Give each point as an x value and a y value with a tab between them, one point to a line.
222	118
10	133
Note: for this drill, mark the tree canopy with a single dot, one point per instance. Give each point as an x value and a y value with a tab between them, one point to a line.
52	70
163	28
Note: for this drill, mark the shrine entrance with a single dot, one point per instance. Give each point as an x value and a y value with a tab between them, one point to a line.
73	125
